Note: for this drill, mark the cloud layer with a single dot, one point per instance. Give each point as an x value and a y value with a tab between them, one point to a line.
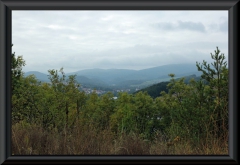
181	25
79	40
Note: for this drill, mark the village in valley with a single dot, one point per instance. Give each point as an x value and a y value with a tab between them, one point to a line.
101	92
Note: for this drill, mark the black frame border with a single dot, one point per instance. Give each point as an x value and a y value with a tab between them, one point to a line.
6	7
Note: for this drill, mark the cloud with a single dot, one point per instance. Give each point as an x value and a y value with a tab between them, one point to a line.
191	26
181	25
219	25
223	26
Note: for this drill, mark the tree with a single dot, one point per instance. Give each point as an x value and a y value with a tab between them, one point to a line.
181	110
146	114
199	109
17	81
66	97
216	75
16	70
25	100
136	113
122	118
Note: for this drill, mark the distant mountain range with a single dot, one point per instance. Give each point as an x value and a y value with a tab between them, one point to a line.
126	77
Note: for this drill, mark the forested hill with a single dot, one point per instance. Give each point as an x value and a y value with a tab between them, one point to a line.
155	90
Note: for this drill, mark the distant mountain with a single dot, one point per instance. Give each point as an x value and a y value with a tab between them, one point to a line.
40	76
115	76
109	76
91	83
129	82
163	71
126	78
80	79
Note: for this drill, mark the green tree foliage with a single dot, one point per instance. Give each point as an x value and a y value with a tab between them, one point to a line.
105	109
16	71
136	113
121	120
185	109
17	81
198	109
25	104
216	75
146	114
66	97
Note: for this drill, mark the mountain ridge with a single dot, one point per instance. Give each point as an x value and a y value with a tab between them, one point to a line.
126	77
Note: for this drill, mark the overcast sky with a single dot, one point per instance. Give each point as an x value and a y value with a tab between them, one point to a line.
79	40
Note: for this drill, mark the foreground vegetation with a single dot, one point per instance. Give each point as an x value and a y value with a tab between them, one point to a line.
57	118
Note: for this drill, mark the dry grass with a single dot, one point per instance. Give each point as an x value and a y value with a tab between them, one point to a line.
33	140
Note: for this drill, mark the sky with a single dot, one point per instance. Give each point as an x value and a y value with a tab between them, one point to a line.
82	39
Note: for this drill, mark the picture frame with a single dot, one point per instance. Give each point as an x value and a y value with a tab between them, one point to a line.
6	8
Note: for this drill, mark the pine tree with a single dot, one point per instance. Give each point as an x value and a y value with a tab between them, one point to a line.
216	75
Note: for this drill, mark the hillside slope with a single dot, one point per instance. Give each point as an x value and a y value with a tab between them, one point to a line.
155	90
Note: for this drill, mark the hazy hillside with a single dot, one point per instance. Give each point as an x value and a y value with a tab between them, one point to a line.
110	76
91	83
114	76
40	76
126	78
163	71
83	80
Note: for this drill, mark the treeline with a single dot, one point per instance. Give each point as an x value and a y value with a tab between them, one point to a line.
195	113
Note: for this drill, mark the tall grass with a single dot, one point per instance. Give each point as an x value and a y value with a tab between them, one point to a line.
86	140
